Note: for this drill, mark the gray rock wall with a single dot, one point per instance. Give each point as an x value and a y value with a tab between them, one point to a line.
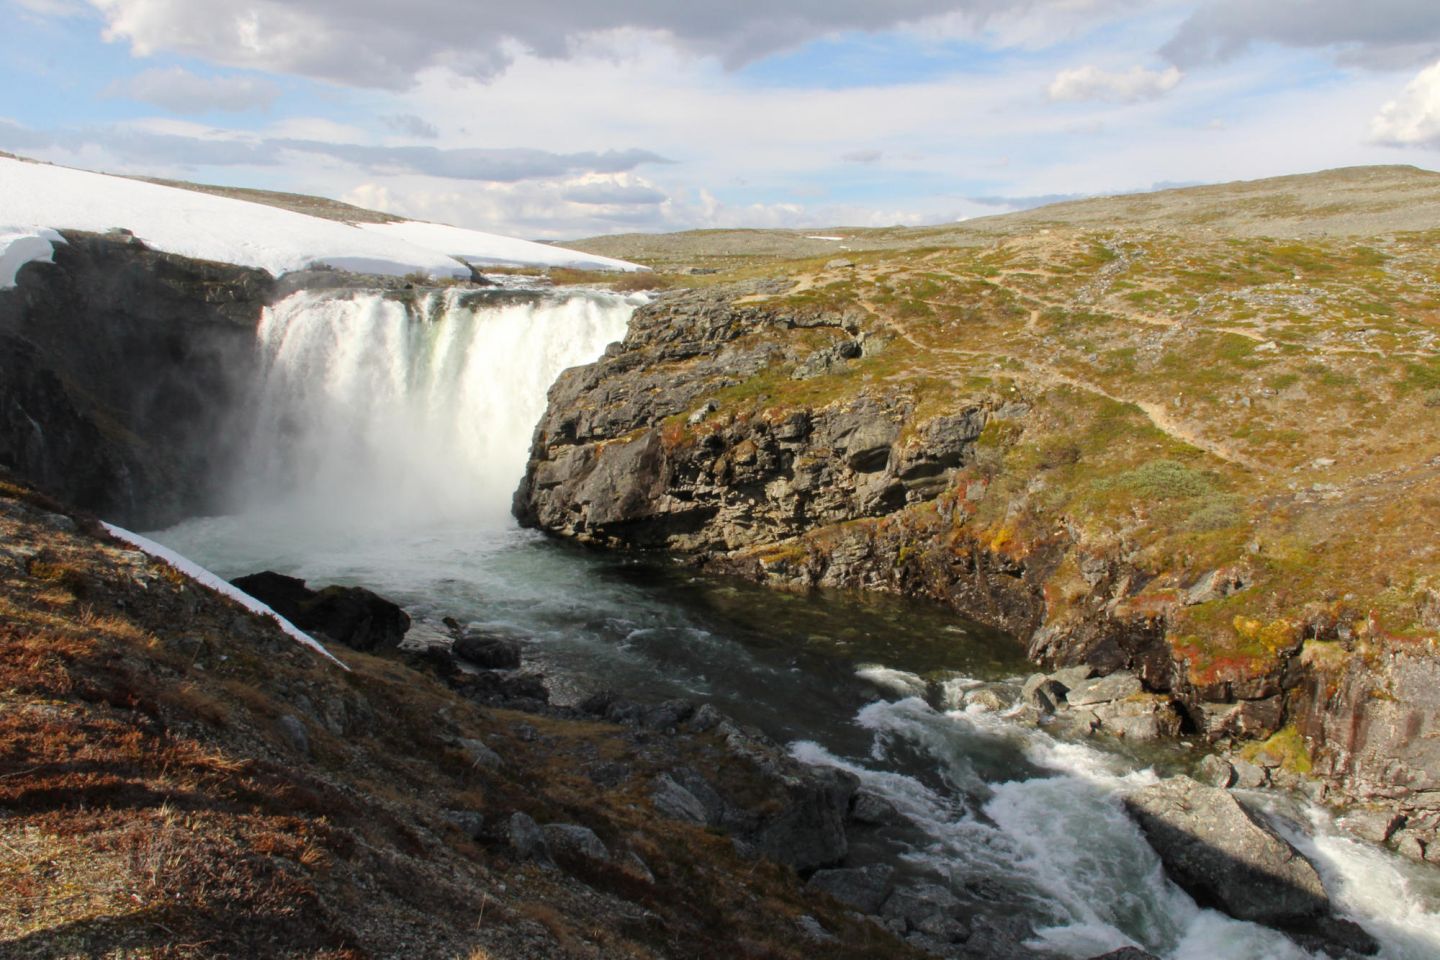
121	371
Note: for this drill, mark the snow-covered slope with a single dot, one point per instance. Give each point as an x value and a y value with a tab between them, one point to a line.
36	198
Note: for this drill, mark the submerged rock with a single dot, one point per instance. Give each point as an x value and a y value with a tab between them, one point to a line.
487	650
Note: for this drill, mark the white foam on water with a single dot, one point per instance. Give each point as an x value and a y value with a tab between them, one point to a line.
892	681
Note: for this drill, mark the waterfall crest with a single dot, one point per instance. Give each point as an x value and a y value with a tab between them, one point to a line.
375	410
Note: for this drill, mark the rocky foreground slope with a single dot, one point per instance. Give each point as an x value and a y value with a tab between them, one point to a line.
180	778
1204	456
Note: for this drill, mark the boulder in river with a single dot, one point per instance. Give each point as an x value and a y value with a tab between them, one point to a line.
354	616
1228	859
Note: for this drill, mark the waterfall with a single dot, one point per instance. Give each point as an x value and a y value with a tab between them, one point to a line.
372	410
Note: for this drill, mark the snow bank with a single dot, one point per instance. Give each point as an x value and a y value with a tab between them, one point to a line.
37	199
488	248
196	572
22	245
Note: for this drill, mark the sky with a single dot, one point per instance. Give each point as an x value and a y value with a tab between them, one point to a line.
555	119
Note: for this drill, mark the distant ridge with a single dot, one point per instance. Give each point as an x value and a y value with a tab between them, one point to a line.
1345	202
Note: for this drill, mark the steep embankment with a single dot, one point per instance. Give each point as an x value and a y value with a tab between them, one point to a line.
1213	461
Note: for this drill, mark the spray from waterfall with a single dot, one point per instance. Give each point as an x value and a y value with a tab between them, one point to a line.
376	411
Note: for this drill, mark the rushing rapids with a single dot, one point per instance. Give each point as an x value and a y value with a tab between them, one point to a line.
385	444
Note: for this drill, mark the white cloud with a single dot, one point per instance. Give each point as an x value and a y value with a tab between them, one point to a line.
374	44
180	91
1376	33
1092	83
1413	119
411	125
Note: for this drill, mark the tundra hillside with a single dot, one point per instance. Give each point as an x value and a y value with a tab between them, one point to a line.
1194	435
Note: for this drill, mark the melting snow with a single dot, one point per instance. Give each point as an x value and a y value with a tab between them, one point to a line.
22	245
196	572
38	199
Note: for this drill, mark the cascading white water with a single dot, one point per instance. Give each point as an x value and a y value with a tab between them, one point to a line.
373	410
1056	835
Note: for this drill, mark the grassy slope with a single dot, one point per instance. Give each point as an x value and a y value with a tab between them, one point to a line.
1202	397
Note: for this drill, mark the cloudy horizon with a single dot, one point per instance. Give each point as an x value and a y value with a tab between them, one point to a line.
561	119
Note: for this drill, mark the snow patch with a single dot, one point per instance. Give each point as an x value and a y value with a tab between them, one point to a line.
38	199
196	572
490	249
22	245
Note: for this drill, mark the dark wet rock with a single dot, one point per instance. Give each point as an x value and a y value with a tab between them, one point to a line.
667	715
504	688
1229	859
864	888
353	616
487	650
704	719
1127	953
929	910
572	843
872	809
436	660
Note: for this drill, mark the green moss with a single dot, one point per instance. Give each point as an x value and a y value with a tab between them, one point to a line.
1286	745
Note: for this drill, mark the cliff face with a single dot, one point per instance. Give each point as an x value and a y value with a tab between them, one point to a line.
999	431
120	372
